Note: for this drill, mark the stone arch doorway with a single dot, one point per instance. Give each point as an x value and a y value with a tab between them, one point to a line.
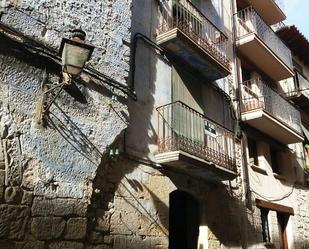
183	221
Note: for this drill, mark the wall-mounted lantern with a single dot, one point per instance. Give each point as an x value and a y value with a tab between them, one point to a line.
74	54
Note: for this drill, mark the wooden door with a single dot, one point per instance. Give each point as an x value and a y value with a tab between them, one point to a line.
283	221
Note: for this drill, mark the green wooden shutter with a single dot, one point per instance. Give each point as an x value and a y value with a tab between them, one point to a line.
187	123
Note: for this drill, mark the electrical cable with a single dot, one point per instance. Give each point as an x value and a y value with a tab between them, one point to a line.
36	47
147	40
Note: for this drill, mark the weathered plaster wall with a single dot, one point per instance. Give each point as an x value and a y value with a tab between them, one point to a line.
47	174
285	191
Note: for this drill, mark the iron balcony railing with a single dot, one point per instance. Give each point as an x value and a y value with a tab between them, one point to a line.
250	22
181	128
302	84
294	87
257	95
192	22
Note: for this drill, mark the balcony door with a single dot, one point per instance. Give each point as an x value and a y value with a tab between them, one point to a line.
187	119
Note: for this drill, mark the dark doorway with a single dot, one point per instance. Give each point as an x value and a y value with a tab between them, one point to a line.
184	221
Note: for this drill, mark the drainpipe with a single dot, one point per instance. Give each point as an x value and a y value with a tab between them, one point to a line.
148	41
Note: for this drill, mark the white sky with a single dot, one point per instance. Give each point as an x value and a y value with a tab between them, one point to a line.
297	12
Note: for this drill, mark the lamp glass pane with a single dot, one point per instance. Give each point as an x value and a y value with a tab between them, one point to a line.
74	58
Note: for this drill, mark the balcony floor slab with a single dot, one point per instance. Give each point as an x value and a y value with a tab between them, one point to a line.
264	122
195	166
268	10
300	99
190	53
254	49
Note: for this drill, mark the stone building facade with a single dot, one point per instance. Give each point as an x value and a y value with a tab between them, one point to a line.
148	147
48	172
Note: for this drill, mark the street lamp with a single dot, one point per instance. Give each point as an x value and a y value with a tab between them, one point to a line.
75	53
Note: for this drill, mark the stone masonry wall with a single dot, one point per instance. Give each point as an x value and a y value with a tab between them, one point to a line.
301	219
47	174
297	229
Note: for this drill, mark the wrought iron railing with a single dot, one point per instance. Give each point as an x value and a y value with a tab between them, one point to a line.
302	84
296	86
183	128
250	22
192	22
257	95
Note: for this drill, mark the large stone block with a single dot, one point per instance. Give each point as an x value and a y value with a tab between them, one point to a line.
159	242
66	245
31	173
125	213
102	221
6	244
13	221
159	189
96	238
47	228
34	245
131	242
76	228
58	207
104	246
27	198
12	154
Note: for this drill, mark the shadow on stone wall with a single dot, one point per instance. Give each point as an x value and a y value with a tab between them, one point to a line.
73	135
226	217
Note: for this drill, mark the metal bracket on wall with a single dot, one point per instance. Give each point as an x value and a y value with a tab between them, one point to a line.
47	95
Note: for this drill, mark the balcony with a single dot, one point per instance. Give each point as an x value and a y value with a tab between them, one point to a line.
189	37
190	142
298	90
257	42
269	10
265	110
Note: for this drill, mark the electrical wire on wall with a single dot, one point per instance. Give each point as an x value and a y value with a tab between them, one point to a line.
37	48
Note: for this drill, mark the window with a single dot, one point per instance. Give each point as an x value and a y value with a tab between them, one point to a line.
253	156
283	214
274	161
265	225
246	76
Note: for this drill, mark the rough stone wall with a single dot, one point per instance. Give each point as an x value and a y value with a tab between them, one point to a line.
47	174
130	210
297	229
301	219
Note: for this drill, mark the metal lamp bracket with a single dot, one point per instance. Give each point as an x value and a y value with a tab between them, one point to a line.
48	94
